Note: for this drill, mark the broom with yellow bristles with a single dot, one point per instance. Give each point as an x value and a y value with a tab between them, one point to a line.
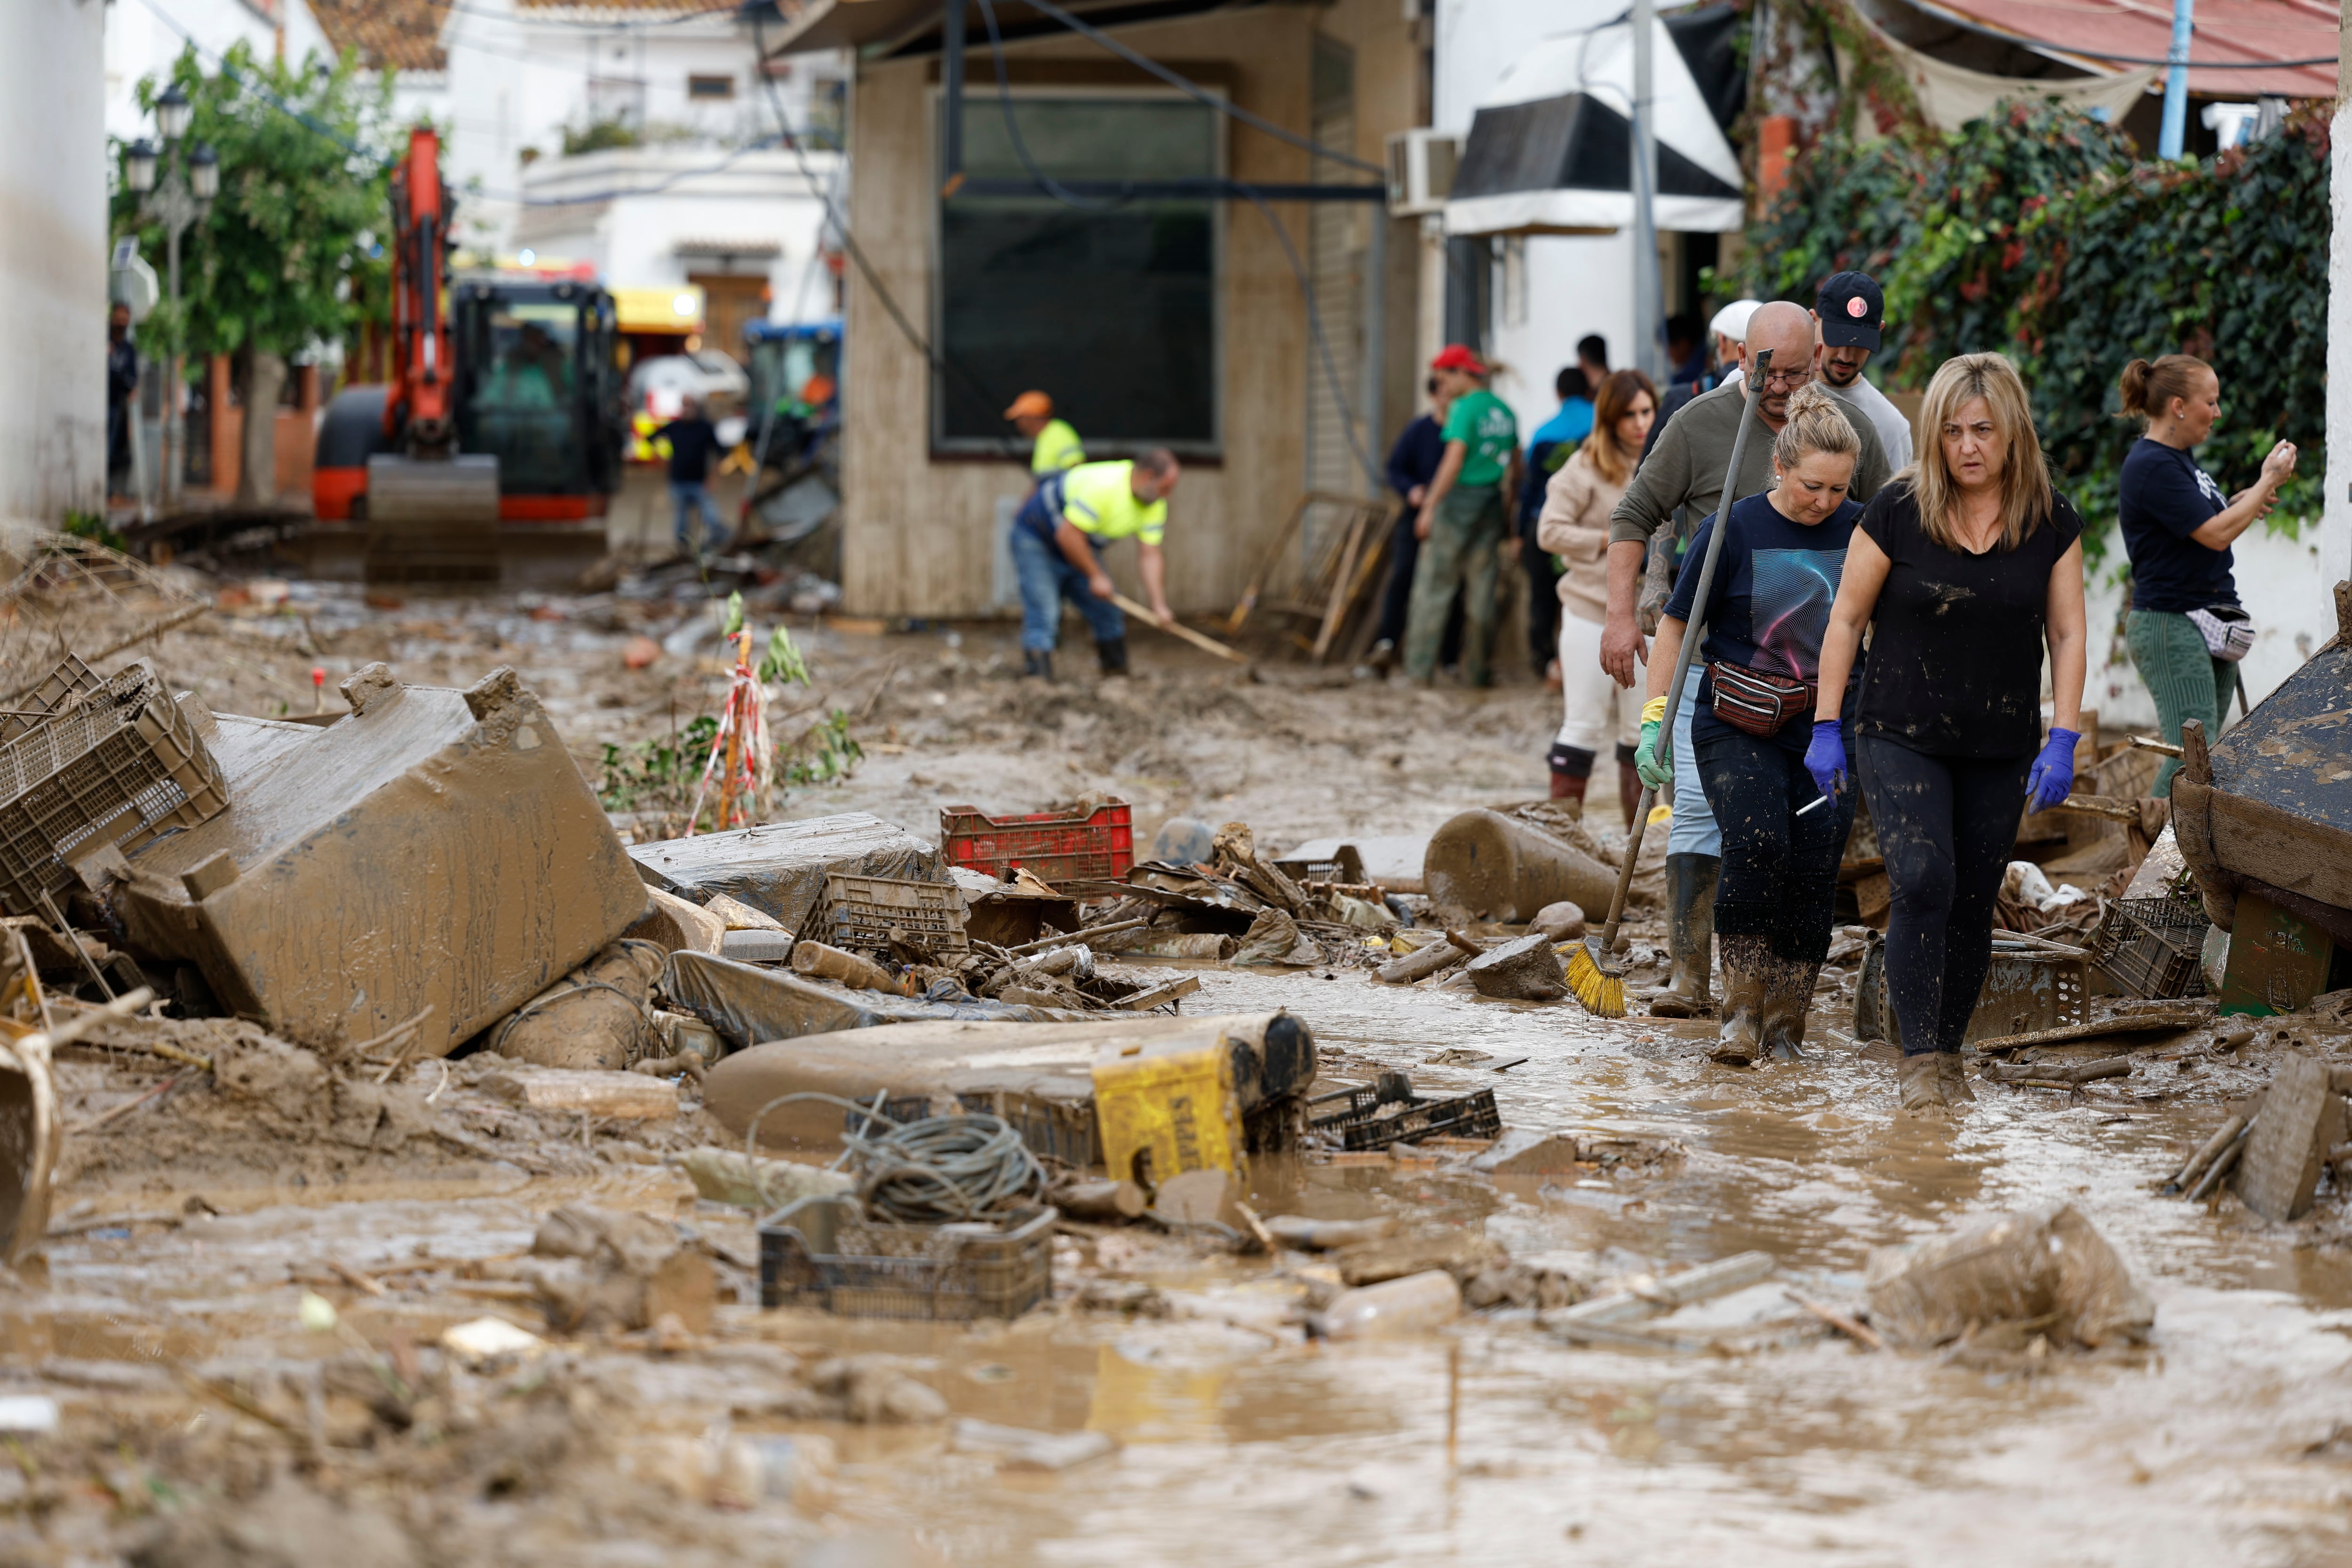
1594	974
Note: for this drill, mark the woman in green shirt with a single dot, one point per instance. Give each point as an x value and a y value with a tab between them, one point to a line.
1463	521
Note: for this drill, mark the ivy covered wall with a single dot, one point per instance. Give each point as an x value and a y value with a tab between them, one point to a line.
2034	232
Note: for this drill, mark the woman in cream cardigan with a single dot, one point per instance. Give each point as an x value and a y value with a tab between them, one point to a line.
1574	526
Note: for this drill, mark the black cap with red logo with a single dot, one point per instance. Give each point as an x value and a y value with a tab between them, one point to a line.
1850	307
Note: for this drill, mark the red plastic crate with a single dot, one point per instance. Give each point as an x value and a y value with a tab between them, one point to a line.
1053	846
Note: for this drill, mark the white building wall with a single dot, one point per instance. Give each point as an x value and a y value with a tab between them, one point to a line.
758	198
517	80
2336	531
1573	285
140	43
53	257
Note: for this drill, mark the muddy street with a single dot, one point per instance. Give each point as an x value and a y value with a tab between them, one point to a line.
244	1307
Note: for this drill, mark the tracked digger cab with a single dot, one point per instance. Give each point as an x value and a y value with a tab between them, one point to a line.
494	450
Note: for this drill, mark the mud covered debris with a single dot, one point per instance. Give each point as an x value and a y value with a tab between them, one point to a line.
2046	1270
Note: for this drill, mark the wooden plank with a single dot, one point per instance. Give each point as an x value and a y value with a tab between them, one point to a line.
1335	604
2302	1117
2167	1020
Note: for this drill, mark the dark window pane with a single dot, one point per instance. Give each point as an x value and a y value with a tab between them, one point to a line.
1111	310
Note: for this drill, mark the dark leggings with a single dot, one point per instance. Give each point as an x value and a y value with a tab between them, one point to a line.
1780	870
1947	826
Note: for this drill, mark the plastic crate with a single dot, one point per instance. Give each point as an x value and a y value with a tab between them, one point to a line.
1363	1126
867	909
2153	947
70	679
1053	846
824	1253
123	763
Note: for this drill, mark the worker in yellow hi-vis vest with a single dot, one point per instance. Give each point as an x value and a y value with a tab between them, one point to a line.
1053	446
1057	537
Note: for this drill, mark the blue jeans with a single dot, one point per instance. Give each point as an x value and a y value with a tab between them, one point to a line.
1693	830
1047	579
692	498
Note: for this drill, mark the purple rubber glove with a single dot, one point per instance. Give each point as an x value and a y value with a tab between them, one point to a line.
2052	777
1825	758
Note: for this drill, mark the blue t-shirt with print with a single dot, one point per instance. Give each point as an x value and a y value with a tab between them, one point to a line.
1770	605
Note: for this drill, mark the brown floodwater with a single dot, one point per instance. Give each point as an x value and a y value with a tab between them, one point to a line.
1493	1442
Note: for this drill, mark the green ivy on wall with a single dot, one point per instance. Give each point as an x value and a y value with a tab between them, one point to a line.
2034	232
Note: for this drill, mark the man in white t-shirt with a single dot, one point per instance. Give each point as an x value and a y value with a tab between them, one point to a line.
1849	309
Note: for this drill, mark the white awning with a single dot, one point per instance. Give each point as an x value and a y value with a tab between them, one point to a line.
1551	147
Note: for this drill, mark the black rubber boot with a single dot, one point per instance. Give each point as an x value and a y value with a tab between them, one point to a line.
1112	651
1690	936
1036	664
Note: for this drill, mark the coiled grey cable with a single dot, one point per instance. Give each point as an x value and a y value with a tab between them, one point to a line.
938	1171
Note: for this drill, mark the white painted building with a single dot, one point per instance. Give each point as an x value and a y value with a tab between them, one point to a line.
525	77
671	216
53	257
143	37
1549	291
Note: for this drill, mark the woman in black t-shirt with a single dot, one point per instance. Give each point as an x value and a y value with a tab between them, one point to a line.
1962	568
1767	607
2179	530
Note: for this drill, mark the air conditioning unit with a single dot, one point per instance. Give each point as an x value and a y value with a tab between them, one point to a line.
1421	170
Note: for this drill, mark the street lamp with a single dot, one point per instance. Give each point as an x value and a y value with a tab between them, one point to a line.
182	197
173	112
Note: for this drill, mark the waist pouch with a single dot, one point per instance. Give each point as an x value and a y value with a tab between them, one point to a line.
1756	701
2227	630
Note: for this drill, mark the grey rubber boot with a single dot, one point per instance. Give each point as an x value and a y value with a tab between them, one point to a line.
1920	1083
1690	937
1741	1039
1952	1076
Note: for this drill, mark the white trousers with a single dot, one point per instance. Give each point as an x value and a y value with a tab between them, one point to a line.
1594	704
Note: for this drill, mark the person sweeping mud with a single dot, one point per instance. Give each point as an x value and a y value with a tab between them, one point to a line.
1767	610
1058	537
1963	568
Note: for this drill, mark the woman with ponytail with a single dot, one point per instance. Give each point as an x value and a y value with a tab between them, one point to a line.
1767	607
2186	630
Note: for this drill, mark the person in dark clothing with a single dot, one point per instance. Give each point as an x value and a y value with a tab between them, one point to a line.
1413	463
2186	630
121	387
1767	610
1553	444
693	443
1961	570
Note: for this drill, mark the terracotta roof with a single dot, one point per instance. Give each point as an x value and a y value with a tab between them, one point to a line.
588	7
400	34
2256	33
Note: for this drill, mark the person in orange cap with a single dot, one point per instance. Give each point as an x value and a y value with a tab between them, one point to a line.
1053	446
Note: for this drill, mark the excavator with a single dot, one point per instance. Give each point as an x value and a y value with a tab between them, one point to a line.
495	447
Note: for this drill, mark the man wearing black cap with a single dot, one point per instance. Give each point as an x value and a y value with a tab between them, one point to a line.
1849	309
